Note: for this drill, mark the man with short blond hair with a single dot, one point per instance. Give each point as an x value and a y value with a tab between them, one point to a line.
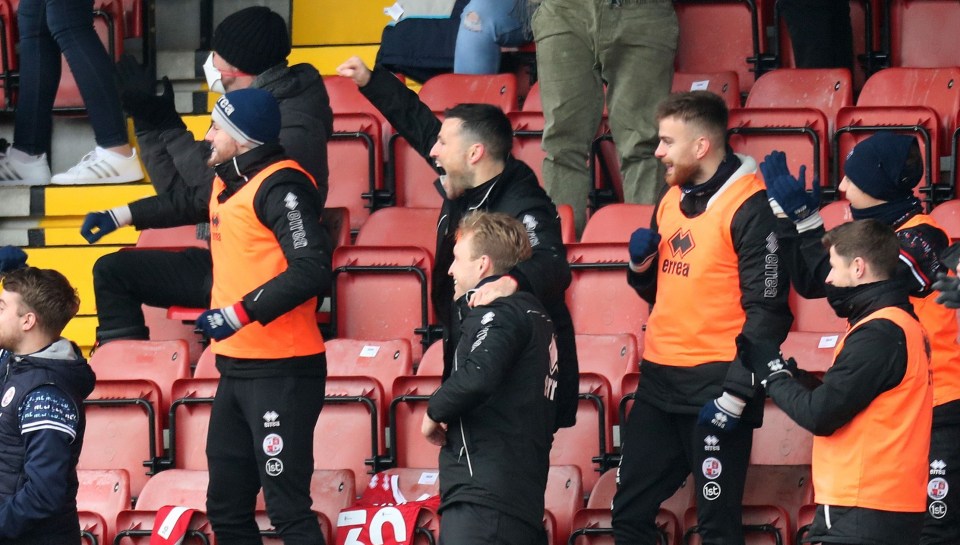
494	415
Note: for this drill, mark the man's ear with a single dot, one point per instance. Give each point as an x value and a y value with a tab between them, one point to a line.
28	321
704	145
475	153
859	267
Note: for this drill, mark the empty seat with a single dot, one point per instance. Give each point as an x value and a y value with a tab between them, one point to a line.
101	496
588	443
824	89
382	293
178	487
947	215
563	498
780	441
610	356
409	448
331	491
923	33
350	432
568	232
411	175
725	84
720	35
172	238
383	361
814	315
616	222
812	350
835	213
599	298
355	163
401	226
189	422
431	364
527	137
161	362
447	90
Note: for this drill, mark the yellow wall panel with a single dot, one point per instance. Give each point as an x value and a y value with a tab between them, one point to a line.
326	59
330	22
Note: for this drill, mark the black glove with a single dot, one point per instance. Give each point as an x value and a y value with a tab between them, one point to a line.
949	288
764	359
138	93
789	192
12	258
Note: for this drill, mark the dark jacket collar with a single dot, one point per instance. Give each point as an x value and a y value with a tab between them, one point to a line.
238	171
867	298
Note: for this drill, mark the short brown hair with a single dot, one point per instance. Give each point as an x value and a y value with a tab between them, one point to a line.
47	293
701	108
501	237
870	240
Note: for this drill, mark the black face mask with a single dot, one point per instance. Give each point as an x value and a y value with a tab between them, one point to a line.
840	299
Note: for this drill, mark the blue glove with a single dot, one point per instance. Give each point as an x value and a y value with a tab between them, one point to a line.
220	323
97	224
789	192
12	258
722	413
643	247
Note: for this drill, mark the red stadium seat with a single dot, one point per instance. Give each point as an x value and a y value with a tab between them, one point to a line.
415	484
411	175
8	52
533	103
572	446
610	356
628	387
189	422
401	226
331	491
431	364
383	361
812	350
616	222
161	362
947	215
721	35
568	233
922	33
725	84
355	162
835	213
527	138
172	238
780	441
409	448
382	293
350	430
825	89
448	90
179	487
101	496
814	315
599	298
563	498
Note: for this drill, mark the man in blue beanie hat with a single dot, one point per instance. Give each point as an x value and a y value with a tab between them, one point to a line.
269	262
880	176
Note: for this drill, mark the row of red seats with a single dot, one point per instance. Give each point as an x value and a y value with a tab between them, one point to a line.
777	505
114	20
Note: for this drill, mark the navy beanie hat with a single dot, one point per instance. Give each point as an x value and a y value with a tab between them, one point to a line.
878	166
251	116
252	39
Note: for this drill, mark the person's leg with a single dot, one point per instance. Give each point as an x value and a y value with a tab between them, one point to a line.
638	46
719	464
485	25
653	465
71	25
572	94
123	281
815	36
941	525
39	79
234	475
284	452
472	524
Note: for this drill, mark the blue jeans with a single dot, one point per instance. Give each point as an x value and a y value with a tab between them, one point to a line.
47	28
485	26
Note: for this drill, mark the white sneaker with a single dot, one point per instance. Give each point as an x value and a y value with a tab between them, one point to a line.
102	167
16	172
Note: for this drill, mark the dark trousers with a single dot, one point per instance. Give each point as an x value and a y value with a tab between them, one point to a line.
123	281
942	522
261	434
659	450
820	31
472	524
47	28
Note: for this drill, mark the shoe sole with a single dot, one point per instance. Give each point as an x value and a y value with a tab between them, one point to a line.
103	181
22	183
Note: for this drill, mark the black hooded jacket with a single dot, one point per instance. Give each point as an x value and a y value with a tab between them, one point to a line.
515	192
41	433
